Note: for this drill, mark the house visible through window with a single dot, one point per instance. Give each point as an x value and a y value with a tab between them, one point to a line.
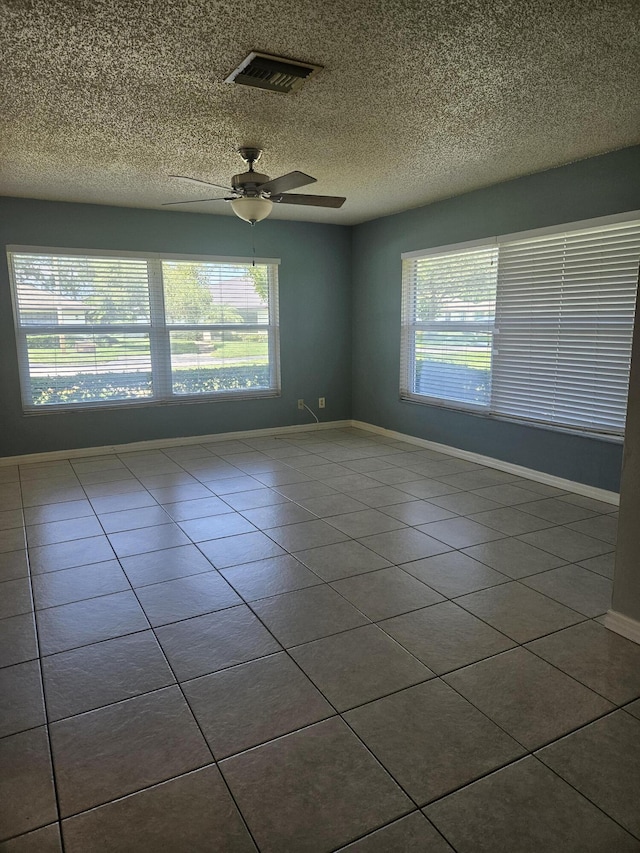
106	329
534	327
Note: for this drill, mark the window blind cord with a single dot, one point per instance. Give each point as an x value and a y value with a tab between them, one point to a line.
312	412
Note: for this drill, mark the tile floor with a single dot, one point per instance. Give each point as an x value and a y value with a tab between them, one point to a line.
315	642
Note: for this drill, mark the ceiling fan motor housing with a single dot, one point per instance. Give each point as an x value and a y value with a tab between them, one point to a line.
249	182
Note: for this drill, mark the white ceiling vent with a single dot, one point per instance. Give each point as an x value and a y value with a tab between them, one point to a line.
272	72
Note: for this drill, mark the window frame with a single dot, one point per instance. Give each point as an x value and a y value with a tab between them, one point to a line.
407	353
158	330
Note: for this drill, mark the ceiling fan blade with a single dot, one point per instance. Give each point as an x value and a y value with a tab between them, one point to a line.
198	181
290	181
193	201
315	200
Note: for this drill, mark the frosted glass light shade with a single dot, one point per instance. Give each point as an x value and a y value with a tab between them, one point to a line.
252	209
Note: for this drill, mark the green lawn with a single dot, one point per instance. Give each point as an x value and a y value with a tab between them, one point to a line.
480	359
114	352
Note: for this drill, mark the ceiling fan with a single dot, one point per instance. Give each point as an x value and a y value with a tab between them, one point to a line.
252	195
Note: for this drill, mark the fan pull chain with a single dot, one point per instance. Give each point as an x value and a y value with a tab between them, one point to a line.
253	244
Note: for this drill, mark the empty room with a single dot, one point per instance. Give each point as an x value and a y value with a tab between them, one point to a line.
319	426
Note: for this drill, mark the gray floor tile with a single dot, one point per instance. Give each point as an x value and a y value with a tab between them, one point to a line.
590	503
85	622
132	519
44	840
508	494
17	639
519	612
114	751
54	588
602	761
63	531
572	546
365	523
396	476
198	508
277	515
254	498
453	573
215	641
431	740
122	487
417	512
21	701
381	496
528	698
460	532
578	588
274	576
427	488
185	597
57	512
411	834
146	539
352	794
604	661
514	558
117	503
245	548
36	496
386	592
307	614
92	676
177	493
232	485
479	479
13	564
509	520
15	597
216	527
633	708
328	505
193	812
27	794
402	546
445	636
344	559
313	489
556	510
68	555
12	539
255	702
465	503
349	482
358	666
602	565
309	534
159	566
603	527
527	808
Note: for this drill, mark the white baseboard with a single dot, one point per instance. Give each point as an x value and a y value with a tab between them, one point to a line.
159	443
621	624
490	462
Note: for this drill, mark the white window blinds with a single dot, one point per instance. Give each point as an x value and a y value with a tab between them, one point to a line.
101	329
557	349
564	325
449	310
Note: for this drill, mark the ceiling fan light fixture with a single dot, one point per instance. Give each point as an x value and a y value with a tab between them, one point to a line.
252	209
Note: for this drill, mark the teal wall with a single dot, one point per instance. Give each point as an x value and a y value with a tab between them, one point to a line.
596	187
315	320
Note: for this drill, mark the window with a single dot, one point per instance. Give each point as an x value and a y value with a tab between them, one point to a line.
104	329
535	327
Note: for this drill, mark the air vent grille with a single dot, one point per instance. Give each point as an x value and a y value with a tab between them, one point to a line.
274	73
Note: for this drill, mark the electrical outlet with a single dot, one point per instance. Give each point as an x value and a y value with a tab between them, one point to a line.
301	404
321	402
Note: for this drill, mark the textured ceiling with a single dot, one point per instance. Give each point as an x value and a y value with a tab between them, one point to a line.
100	101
